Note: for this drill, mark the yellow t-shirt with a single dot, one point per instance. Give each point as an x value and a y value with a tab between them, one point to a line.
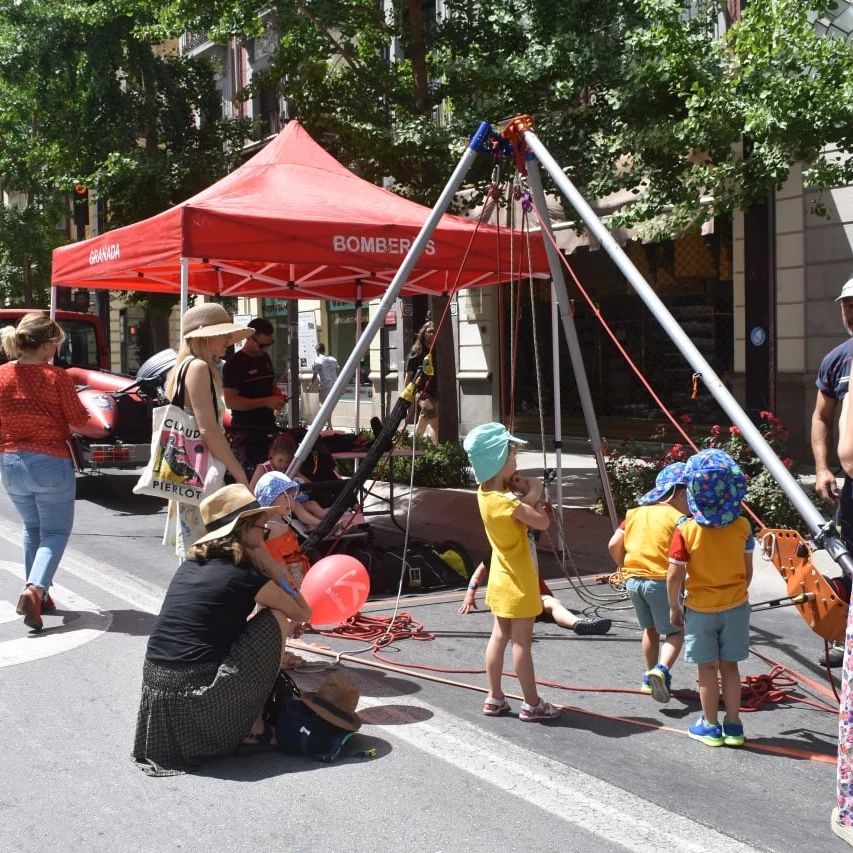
648	534
716	575
513	590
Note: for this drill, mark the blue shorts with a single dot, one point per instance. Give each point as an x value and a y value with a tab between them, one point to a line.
651	604
723	635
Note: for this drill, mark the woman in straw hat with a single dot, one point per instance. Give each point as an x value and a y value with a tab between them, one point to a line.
209	668
207	332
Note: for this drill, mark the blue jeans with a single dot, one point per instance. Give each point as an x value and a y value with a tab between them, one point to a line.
42	488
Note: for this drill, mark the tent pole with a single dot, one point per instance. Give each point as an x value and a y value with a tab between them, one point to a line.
558	415
185	289
53	296
824	531
358	370
571	333
387	301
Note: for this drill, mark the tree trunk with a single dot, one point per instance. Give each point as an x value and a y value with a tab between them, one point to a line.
417	55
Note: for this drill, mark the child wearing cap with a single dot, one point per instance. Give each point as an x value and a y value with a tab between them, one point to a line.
278	490
641	548
513	591
710	559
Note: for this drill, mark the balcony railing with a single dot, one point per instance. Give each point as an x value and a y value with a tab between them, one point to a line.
190	41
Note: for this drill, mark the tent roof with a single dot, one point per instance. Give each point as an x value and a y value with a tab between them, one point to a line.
291	222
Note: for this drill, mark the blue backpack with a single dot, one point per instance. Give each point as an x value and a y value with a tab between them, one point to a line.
301	731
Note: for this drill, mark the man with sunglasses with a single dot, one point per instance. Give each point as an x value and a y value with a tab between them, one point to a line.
252	395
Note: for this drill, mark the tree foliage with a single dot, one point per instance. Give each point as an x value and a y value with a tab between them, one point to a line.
85	98
655	97
651	96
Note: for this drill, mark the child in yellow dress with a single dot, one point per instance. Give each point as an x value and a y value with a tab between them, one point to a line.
513	591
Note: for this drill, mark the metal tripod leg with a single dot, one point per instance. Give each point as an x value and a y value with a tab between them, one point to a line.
538	193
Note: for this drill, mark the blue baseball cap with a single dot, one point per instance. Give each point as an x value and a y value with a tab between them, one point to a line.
667	479
716	485
487	447
272	485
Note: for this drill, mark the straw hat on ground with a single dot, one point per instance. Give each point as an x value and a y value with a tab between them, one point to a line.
221	511
211	319
335	701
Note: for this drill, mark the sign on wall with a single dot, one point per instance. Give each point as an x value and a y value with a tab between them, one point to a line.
307	339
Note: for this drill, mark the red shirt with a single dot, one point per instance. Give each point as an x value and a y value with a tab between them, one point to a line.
38	403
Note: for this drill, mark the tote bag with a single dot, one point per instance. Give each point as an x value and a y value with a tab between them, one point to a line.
180	468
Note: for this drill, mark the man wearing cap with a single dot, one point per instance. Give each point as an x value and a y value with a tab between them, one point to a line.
832	383
252	396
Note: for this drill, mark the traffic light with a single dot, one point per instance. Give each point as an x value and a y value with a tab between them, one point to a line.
80	205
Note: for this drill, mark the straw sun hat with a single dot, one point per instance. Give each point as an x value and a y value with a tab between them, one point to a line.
335	701
211	319
221	511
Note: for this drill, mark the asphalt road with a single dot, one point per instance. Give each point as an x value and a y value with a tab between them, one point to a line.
616	772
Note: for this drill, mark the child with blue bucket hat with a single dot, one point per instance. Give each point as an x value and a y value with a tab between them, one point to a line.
640	547
710	562
513	591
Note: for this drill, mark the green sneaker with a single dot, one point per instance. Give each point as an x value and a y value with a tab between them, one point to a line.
645	686
732	733
710	735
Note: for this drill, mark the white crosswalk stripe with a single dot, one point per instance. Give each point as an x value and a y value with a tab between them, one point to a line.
84	621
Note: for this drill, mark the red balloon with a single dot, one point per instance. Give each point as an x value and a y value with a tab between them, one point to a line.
335	587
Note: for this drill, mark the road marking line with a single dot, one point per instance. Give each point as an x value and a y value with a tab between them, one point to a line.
8	613
85	627
117	582
585	801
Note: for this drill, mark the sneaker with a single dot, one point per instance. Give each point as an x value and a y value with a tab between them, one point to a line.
732	733
645	687
659	681
589	625
543	711
841	830
706	733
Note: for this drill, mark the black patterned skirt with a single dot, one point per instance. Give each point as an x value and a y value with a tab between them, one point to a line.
191	713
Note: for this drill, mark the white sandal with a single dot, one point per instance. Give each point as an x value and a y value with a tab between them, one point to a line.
543	711
496	707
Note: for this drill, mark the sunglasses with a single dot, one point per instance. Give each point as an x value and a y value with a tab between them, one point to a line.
266	530
264	346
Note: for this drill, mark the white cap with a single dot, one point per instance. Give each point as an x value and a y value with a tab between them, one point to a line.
846	291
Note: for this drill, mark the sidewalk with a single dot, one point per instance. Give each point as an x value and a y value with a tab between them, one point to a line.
438	515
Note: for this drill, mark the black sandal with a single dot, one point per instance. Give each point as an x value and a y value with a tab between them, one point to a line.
265	741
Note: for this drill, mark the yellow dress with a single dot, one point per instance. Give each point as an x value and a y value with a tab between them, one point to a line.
513	590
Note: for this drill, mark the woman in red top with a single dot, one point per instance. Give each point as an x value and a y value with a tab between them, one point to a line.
38	404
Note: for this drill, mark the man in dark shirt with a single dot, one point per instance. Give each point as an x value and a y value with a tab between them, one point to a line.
833	382
253	397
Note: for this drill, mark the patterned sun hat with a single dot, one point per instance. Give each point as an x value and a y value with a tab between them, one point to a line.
667	479
715	487
487	447
272	485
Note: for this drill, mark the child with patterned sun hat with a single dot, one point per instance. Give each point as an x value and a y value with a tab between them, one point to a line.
640	547
710	559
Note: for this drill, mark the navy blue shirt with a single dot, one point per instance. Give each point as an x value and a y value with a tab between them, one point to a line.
251	376
833	378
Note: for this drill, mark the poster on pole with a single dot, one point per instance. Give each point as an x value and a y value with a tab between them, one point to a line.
307	339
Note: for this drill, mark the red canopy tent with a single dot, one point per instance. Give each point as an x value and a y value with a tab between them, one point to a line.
291	222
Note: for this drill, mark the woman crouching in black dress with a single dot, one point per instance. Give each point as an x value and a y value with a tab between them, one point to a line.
209	668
